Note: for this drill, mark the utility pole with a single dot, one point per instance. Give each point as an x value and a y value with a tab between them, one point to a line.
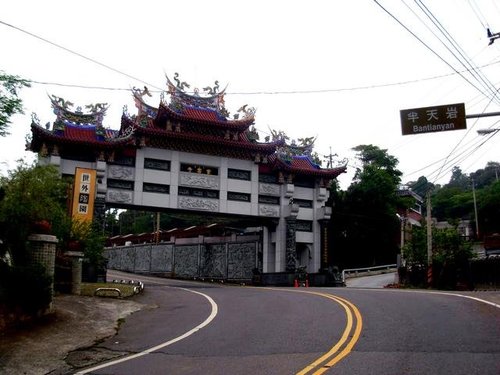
475	208
330	159
429	238
157	234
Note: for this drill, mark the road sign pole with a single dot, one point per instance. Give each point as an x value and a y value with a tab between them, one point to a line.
429	238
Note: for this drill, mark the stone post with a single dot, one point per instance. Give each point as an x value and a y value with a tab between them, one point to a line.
76	271
43	252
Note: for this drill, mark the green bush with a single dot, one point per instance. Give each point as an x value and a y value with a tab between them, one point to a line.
24	287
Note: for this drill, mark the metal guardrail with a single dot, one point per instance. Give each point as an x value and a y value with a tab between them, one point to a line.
138	285
114	290
366	270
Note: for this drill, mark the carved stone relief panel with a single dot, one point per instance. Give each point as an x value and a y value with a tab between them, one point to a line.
113	257
128	259
186	261
120	172
273	211
199	180
269	189
202	204
241	260
213	261
161	258
120	196
142	258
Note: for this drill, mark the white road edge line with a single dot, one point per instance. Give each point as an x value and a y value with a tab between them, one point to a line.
469	297
428	292
207	321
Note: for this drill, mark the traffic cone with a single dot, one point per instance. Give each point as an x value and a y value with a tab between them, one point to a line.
295	283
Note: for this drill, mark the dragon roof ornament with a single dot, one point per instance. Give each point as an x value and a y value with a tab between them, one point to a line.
212	98
180	98
143	108
64	112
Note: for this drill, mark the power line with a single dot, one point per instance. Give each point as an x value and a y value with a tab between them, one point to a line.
461	154
473	70
77	54
276	92
478	14
427	46
84	86
478	77
366	87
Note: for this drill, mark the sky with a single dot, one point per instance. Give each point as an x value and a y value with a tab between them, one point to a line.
339	71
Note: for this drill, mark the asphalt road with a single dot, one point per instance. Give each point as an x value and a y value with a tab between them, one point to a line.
198	328
375	281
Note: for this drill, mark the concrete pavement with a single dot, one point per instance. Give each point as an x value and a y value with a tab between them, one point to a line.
77	322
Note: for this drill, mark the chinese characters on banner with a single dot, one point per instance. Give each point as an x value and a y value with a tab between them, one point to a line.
433	119
84	194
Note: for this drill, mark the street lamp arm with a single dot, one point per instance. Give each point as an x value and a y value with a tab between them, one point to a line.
487	131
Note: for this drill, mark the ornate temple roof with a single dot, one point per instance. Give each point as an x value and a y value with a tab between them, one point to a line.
208	109
301	165
188	121
66	116
73	126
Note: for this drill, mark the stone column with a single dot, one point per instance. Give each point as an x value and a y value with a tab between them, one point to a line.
265	249
76	271
100	211
43	252
291	227
291	251
324	244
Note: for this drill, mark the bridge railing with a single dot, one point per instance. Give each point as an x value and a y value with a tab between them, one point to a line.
357	272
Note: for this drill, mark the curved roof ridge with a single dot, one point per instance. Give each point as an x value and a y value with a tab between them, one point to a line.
64	112
307	158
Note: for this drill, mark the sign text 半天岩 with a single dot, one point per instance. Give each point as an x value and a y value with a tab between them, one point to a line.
433	119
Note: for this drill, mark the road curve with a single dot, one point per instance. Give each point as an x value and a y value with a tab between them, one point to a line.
306	330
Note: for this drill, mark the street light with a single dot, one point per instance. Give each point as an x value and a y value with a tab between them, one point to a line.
487	131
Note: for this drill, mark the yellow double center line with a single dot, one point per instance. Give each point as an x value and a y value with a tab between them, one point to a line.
344	346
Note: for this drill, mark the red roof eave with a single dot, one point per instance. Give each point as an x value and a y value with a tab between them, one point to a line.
266	148
208	120
326	173
48	135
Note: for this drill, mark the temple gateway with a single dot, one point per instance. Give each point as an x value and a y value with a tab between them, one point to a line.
190	154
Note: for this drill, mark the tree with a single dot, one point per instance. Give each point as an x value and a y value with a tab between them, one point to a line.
459	180
415	248
421	186
451	202
372	157
486	176
31	194
10	104
489	208
364	221
450	256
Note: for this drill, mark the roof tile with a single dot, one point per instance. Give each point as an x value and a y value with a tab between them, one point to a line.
80	133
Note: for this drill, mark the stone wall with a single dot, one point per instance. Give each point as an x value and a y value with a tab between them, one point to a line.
223	261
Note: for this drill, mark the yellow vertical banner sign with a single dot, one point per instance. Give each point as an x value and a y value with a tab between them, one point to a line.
84	194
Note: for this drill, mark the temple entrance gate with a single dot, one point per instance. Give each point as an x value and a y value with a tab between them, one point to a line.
189	154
